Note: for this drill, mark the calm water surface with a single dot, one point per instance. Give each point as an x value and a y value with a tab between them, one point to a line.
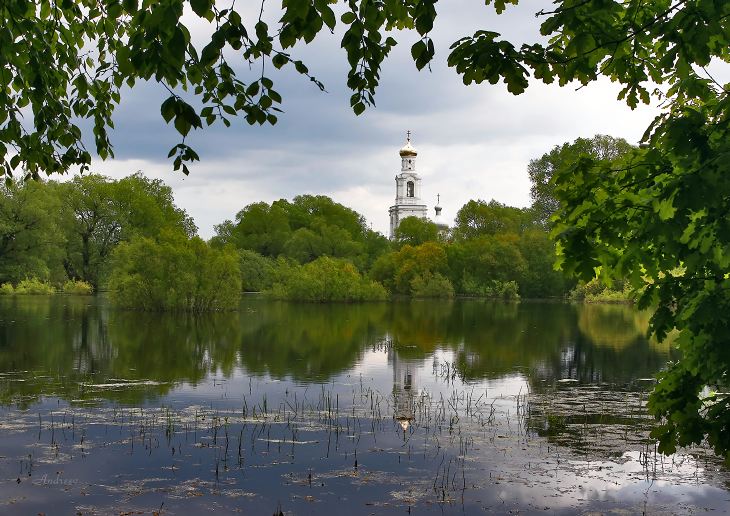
413	407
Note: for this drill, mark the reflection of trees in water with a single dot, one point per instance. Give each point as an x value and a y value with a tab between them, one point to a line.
608	344
615	326
490	339
173	347
57	344
418	326
80	339
502	337
90	343
308	342
46	345
590	343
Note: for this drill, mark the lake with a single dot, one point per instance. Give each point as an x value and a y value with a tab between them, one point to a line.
414	407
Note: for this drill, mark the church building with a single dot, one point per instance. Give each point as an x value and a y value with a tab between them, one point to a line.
408	191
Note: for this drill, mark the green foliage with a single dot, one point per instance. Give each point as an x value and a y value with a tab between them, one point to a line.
487	258
174	273
478	218
61	231
539	279
498	253
7	289
95	214
34	286
604	149
596	291
303	230
659	218
383	270
100	212
323	280
431	285
416	231
397	270
257	272
506	290
484	265
31	237
46	44
71	61
77	287
258	227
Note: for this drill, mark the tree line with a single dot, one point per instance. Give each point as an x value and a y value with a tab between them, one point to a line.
95	233
129	237
290	247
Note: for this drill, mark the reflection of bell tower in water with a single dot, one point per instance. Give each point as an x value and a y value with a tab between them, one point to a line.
404	389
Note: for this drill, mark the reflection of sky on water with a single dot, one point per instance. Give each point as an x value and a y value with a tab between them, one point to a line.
509	471
464	377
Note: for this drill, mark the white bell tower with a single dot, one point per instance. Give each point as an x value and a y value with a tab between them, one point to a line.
407	189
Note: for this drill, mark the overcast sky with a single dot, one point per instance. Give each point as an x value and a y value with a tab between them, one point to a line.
473	142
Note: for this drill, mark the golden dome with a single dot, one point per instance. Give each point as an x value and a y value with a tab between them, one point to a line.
408	149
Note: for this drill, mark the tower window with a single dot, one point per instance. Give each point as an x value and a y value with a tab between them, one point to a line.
410	189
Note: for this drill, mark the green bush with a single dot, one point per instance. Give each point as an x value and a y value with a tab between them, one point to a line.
432	285
257	271
34	286
608	296
175	273
77	287
397	270
507	290
325	279
7	289
595	291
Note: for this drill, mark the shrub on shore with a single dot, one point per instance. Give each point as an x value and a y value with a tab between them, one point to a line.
432	286
595	291
505	290
78	287
257	271
175	273
325	279
34	286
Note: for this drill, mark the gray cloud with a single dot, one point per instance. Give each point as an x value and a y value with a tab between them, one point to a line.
474	142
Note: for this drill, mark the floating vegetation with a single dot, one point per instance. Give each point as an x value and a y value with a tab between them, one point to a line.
460	447
120	384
